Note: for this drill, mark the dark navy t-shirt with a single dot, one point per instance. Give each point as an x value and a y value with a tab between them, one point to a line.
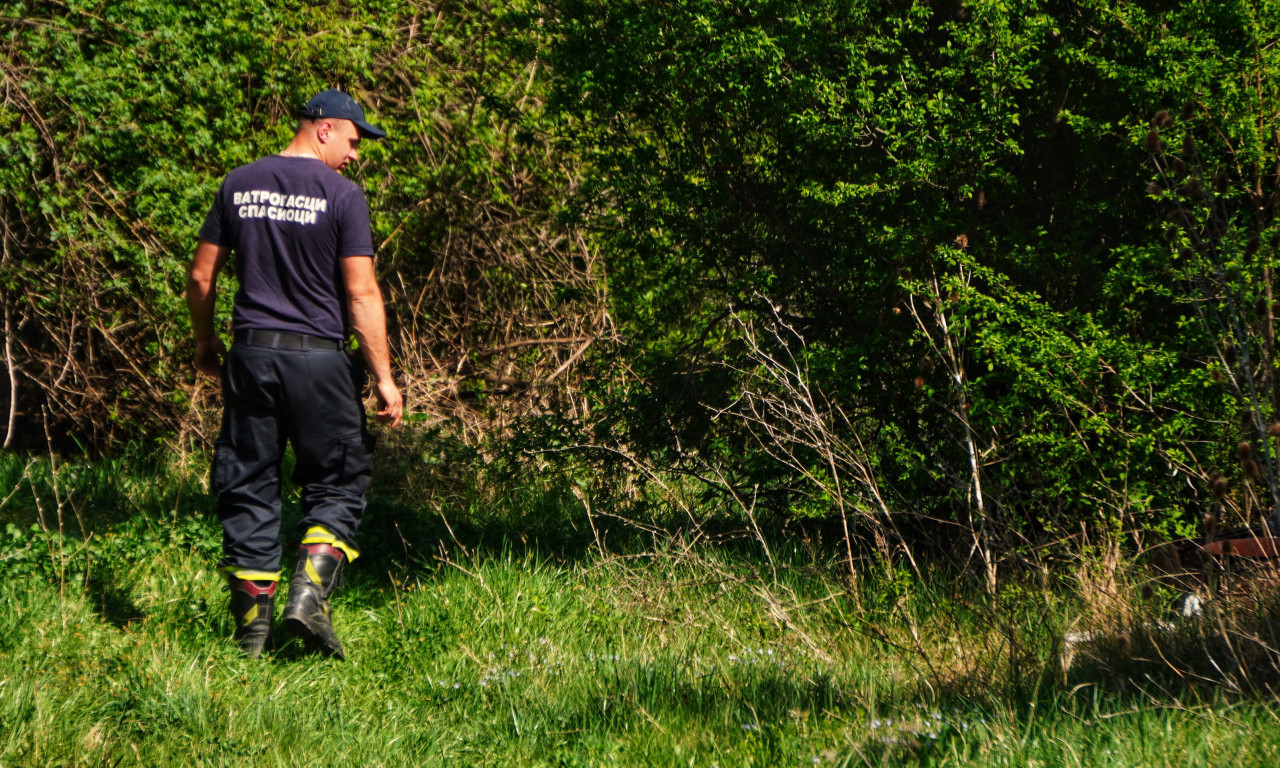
289	222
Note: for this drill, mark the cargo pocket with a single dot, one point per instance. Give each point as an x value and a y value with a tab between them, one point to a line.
220	470
357	464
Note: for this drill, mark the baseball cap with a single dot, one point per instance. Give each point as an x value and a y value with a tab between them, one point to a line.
336	104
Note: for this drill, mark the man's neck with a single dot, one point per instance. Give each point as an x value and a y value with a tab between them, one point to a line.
302	147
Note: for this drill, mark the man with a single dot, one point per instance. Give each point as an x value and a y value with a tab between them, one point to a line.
304	258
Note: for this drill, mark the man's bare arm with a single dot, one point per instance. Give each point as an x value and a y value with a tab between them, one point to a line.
202	295
369	321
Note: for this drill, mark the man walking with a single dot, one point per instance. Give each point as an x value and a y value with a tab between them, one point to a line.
304	259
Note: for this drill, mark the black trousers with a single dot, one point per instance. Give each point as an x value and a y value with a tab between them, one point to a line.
311	398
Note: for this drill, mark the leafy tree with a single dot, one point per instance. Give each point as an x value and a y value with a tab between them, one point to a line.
947	202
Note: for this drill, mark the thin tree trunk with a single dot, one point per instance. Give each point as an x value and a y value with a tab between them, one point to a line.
13	377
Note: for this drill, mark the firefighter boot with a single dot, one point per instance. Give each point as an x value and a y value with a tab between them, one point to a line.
252	604
316	574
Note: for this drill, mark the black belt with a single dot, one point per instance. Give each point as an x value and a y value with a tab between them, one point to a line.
278	339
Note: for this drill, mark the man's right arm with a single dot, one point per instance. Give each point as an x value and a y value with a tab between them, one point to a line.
369	321
202	294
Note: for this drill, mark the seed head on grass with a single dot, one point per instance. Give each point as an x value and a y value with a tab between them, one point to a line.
1218	484
1193	191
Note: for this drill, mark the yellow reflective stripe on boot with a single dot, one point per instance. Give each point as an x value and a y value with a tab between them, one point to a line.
249	616
311	572
318	534
246	574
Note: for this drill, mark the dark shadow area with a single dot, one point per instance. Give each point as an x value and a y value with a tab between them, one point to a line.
1235	653
1230	652
399	541
1220	635
112	603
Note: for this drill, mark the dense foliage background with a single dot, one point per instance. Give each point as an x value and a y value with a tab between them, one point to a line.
1007	265
119	120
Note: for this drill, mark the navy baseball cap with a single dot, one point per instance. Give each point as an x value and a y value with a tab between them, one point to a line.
336	104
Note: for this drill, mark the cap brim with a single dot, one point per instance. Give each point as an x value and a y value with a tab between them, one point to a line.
369	131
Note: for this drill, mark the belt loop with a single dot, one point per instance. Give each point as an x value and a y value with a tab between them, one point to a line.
275	340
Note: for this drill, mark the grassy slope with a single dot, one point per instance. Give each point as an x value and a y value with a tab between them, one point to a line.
468	654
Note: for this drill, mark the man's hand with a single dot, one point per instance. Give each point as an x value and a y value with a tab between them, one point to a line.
209	357
390	403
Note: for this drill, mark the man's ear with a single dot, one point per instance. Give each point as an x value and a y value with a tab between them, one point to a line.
322	131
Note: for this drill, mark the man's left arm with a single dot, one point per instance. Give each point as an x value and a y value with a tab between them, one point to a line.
369	322
202	295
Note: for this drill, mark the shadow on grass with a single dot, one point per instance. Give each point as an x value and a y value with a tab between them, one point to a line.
112	603
401	539
1229	653
1234	653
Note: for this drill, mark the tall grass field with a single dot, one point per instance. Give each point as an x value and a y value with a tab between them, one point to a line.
512	632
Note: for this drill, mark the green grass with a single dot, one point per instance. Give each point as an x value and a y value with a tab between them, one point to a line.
513	641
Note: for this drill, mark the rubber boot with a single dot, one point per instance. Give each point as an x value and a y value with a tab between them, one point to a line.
316	574
252	605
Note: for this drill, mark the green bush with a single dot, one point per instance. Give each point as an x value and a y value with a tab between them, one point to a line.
944	212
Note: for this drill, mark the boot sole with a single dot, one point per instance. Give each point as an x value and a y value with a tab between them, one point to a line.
315	641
